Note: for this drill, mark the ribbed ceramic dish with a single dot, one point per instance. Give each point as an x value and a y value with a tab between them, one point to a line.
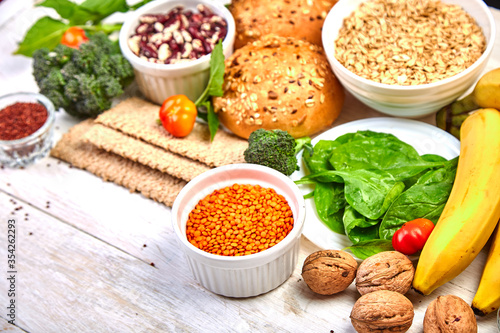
159	81
252	274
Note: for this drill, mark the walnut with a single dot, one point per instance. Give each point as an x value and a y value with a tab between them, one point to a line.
389	270
329	272
449	314
382	311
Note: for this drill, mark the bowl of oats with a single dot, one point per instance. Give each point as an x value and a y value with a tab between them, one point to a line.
408	58
169	44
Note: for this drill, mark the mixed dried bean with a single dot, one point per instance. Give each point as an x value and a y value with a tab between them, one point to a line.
239	220
178	36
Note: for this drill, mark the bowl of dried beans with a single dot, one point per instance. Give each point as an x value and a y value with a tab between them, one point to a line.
169	42
408	58
240	226
26	128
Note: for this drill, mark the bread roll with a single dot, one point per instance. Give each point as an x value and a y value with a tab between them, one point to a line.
279	83
301	19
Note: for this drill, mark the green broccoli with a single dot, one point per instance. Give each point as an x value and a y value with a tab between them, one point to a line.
83	82
276	149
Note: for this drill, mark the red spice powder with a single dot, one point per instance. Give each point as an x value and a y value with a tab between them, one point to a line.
19	120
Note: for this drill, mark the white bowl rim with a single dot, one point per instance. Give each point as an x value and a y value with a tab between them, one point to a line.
49	106
430	86
258	257
150	8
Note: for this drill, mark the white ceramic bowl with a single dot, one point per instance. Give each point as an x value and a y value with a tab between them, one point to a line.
25	151
407	101
159	81
248	275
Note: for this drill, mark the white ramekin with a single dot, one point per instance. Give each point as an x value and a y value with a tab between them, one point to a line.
248	275
159	81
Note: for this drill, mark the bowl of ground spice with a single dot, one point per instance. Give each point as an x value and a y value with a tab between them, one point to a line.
26	128
240	226
408	58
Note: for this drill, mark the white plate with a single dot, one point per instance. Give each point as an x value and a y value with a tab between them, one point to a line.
425	138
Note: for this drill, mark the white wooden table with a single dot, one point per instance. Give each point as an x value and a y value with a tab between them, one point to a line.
92	257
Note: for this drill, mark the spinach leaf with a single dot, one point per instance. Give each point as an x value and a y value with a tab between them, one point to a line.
357	227
319	160
382	152
425	199
366	249
370	192
330	202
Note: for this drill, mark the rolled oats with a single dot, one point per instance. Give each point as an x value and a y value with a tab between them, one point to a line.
408	42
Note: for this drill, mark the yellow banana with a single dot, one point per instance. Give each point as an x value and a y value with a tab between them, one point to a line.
487	298
473	208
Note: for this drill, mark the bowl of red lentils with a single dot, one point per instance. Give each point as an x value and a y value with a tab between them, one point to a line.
408	58
26	128
240	227
169	42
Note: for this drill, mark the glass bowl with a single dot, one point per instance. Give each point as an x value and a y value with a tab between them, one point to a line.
23	152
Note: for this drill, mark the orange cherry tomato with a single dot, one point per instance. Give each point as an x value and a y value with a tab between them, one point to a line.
411	237
73	37
178	115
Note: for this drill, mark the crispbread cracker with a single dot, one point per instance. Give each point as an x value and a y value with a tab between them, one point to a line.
137	118
151	183
139	151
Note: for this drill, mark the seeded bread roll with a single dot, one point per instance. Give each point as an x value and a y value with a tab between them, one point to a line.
279	83
301	19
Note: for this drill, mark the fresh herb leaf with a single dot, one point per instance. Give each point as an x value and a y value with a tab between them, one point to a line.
46	32
214	88
105	7
71	11
366	249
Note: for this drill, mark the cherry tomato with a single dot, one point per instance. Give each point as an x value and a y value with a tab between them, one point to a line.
73	37
178	115
411	237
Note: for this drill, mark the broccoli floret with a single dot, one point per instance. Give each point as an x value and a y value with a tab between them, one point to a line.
83	82
276	149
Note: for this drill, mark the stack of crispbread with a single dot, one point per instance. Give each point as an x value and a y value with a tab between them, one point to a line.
125	145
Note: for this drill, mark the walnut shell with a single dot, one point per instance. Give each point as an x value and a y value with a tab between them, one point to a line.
389	270
449	314
382	311
329	272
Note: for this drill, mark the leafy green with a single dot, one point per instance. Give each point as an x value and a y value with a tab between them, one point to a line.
366	249
367	184
214	88
47	31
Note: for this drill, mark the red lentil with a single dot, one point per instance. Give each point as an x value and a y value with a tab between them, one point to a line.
20	120
239	220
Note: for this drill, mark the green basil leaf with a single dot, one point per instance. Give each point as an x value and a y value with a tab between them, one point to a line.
46	32
213	120
217	68
75	14
105	7
366	249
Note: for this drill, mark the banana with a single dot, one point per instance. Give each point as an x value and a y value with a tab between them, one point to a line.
487	298
486	94
473	207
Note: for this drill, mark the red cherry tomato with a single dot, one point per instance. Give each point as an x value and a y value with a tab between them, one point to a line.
411	237
73	37
178	115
